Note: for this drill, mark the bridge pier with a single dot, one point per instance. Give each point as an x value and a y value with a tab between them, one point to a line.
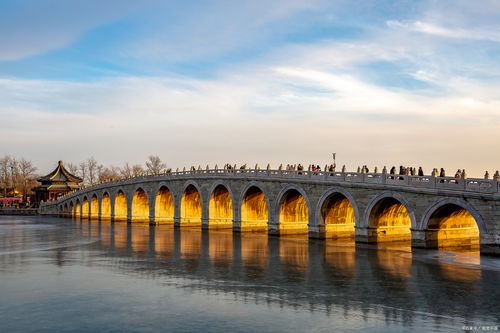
204	223
418	238
273	228
317	231
363	235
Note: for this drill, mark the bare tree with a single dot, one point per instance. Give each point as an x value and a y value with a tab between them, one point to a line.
92	170
14	171
17	175
137	170
109	174
26	176
72	168
126	171
82	171
154	165
4	173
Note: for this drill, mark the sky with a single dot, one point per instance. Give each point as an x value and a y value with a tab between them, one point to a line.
378	82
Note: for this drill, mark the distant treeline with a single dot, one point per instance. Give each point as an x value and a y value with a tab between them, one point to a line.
19	174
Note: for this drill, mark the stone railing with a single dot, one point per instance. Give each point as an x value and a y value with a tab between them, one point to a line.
476	185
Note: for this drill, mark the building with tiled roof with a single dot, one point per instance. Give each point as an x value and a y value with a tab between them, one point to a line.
55	184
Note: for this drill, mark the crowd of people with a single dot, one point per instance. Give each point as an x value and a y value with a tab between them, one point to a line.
410	171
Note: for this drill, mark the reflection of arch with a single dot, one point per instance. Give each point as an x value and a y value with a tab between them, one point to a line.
254	209
452	222
294	253
293	210
164	205
220	207
94	207
396	261
220	247
389	217
105	206
338	213
120	206
191	205
85	208
140	206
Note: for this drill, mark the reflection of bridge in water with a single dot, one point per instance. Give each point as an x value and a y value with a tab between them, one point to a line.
322	275
430	211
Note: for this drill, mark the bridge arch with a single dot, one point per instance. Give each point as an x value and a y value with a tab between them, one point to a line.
164	204
254	205
452	222
71	209
220	206
191	206
94	207
78	208
120	206
389	217
292	210
105	213
140	206
85	208
338	212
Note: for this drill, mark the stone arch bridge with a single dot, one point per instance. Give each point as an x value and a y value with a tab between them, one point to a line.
370	207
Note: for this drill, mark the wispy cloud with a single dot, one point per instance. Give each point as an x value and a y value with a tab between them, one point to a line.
489	34
288	81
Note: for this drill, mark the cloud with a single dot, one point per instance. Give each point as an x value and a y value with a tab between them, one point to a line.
296	101
490	34
38	27
213	29
277	114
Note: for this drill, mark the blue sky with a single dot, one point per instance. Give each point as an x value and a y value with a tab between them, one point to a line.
197	82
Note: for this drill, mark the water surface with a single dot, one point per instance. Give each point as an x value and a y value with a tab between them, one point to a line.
63	275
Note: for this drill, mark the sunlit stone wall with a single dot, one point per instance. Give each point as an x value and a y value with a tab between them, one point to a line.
140	207
293	213
452	226
191	207
85	209
164	207
254	211
120	207
105	207
78	209
391	221
338	216
94	208
220	208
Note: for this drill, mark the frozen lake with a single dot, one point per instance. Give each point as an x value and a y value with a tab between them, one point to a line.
63	275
